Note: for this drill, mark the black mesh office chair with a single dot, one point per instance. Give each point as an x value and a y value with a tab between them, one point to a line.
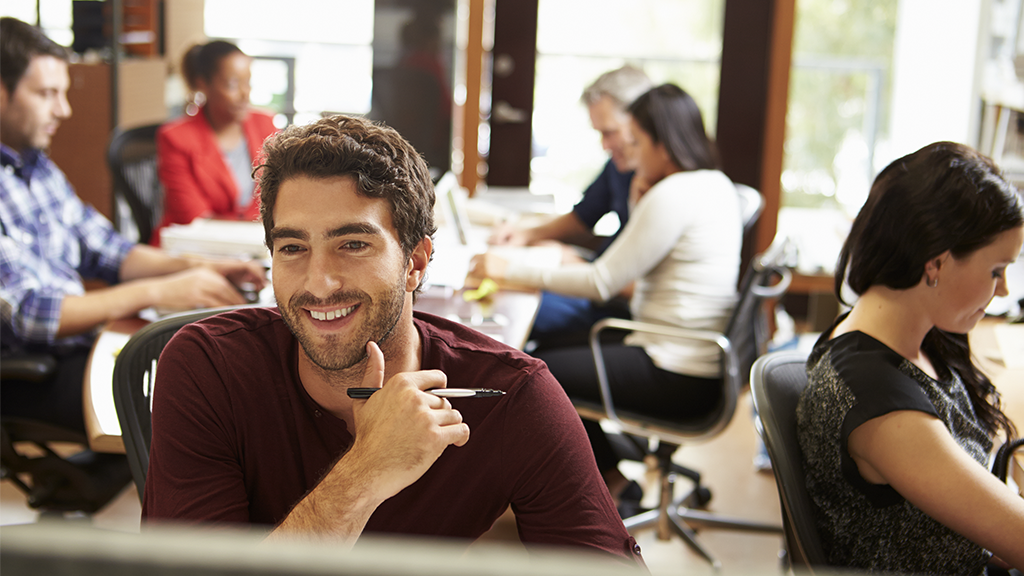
776	382
743	340
134	375
751	206
53	484
131	156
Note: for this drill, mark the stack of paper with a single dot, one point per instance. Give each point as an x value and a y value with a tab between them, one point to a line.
451	259
226	238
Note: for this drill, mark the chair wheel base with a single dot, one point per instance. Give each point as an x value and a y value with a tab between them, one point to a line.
700	496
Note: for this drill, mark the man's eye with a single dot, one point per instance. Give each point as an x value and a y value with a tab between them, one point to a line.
998	273
290	249
355	245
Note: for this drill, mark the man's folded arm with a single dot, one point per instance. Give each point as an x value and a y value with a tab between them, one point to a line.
337	508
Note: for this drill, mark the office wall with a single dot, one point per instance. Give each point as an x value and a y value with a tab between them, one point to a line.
935	77
183	27
80	145
141	92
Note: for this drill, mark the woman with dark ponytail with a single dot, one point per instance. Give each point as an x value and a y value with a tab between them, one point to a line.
205	158
681	246
896	423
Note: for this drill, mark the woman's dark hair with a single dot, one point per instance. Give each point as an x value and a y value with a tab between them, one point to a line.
202	60
670	115
945	196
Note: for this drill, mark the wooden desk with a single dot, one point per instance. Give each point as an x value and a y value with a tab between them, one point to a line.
507	317
811	283
101	422
1008	380
822	306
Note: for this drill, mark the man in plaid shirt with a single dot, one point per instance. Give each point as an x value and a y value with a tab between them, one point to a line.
50	242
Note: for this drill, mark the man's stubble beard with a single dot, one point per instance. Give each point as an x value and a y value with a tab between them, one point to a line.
332	356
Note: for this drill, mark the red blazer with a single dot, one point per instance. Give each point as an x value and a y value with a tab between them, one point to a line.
196	180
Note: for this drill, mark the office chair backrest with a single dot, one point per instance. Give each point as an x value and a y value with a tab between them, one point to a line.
766	277
747	331
134	376
745	338
751	206
131	156
777	380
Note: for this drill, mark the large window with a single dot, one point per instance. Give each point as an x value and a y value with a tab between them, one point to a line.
329	42
323	46
54	16
677	41
837	120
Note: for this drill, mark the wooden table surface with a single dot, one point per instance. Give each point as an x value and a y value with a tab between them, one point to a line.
1008	380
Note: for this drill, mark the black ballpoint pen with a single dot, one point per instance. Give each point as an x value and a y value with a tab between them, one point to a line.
439	392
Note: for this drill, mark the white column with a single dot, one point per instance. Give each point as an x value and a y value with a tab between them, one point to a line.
936	80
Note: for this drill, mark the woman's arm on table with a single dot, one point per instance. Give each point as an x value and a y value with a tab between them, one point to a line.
653	229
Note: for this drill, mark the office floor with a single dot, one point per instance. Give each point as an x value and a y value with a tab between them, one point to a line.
725	462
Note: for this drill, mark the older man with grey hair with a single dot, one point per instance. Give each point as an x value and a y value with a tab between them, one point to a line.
562	319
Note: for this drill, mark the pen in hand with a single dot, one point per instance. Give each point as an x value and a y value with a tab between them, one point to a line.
439	392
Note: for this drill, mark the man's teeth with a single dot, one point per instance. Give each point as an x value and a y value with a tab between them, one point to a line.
332	314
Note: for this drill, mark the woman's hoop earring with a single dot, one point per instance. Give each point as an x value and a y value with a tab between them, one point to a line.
932	283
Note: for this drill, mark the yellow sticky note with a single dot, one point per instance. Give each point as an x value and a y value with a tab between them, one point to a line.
486	288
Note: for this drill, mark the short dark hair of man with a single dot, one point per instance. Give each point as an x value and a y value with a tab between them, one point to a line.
19	43
380	161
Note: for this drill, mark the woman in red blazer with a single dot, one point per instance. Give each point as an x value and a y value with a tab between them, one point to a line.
204	159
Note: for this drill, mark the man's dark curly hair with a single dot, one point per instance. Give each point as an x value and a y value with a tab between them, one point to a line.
380	161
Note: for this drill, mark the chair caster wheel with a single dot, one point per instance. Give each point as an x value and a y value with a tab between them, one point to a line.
701	496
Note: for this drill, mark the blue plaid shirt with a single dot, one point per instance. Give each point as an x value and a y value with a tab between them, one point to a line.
50	241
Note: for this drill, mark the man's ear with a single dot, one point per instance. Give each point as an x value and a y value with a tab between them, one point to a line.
417	267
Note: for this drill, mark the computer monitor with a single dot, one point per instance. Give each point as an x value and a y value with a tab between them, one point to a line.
450	196
54	547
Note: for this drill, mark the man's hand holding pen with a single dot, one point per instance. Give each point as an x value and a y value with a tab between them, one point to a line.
401	430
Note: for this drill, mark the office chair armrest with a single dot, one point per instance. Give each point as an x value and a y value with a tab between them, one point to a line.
779	288
28	368
772	259
659	329
766	266
608	403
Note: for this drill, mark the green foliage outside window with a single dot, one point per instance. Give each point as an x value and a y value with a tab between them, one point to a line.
839	92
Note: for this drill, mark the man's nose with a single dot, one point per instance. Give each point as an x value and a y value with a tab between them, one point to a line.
323	277
62	110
